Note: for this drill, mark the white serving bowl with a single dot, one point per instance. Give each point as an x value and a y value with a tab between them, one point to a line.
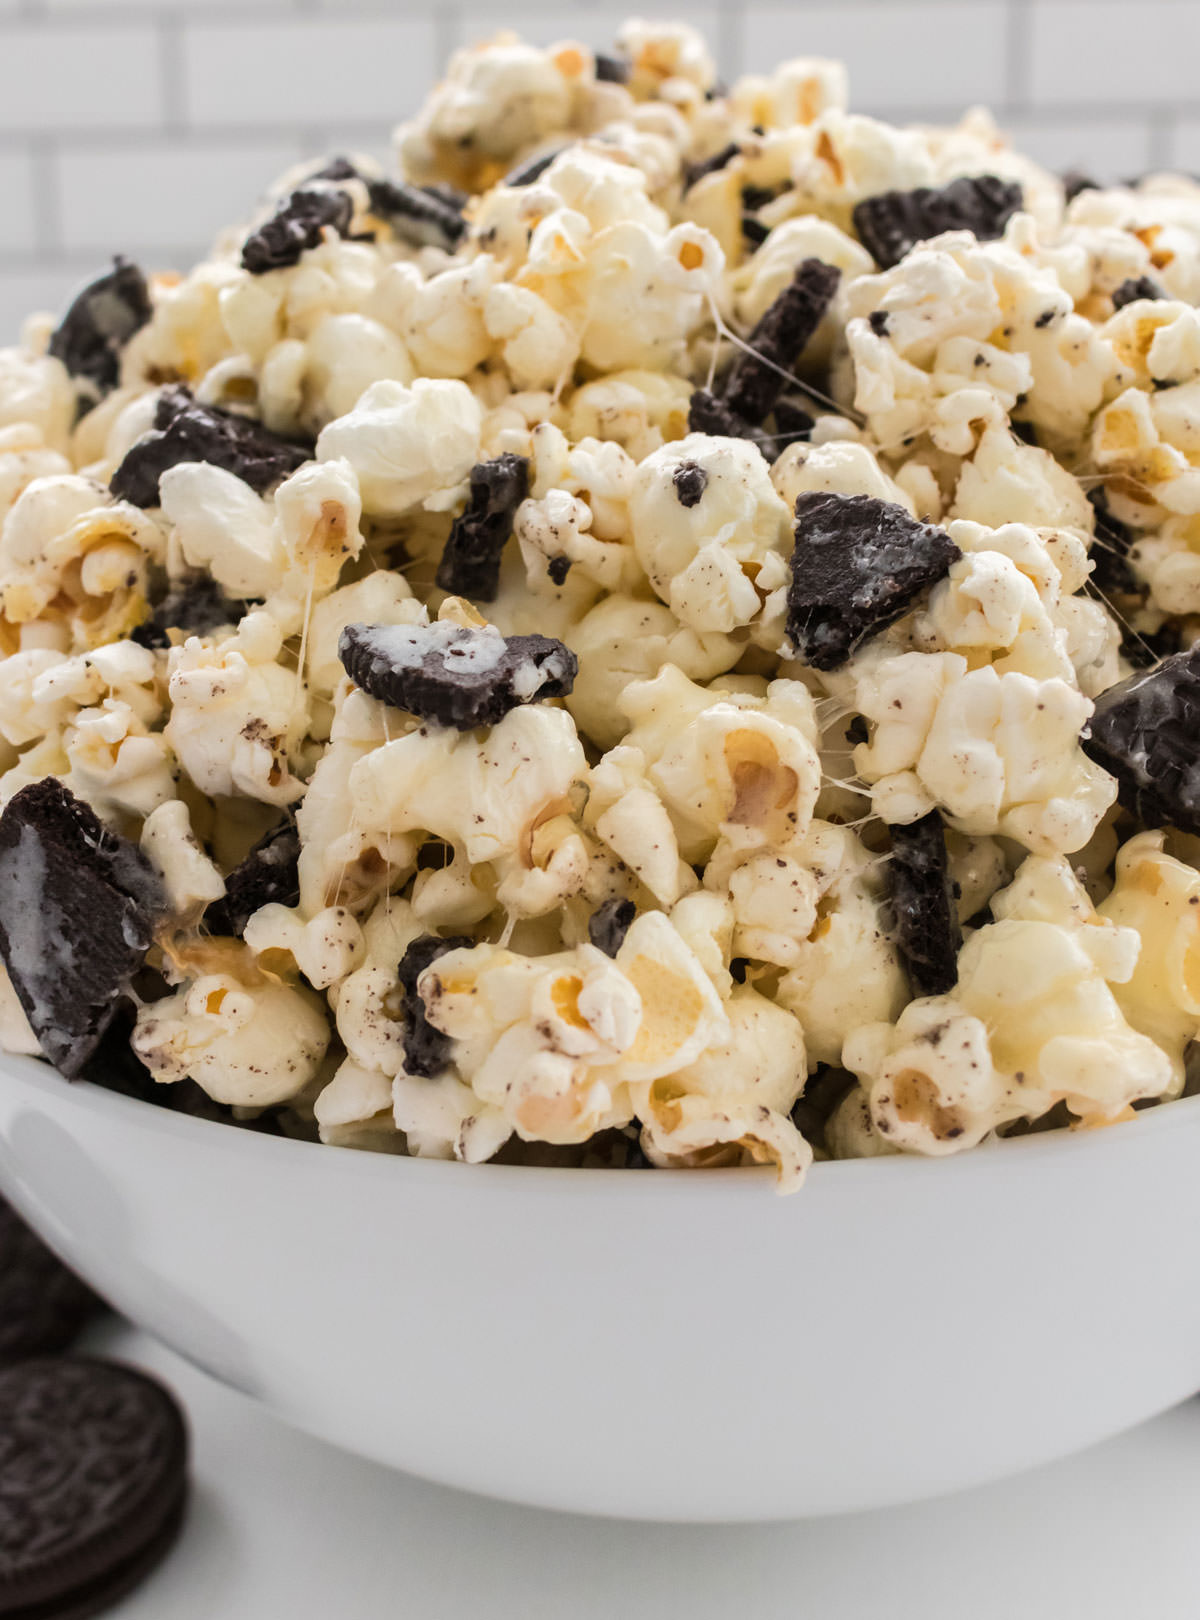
663	1346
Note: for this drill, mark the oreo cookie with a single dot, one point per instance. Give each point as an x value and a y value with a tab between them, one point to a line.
184	430
455	676
78	909
1110	552
758	375
426	1049
690	481
192	606
269	875
422	216
708	414
612	69
43	1305
793	421
524	174
709	165
470	561
921	915
858	564
892	222
93	1484
299	223
1075	181
1135	287
1145	731
100	322
609	923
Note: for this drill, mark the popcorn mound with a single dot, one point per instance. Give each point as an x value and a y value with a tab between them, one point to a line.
671	591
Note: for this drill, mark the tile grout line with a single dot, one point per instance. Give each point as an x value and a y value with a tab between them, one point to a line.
173	87
47	198
1018	56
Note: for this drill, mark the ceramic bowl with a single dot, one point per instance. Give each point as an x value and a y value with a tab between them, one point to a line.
684	1346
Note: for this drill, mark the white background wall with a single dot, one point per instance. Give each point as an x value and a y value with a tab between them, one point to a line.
143	125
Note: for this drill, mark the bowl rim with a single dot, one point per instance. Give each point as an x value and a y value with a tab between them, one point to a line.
885	1169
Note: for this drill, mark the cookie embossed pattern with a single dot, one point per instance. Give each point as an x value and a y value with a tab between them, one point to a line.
659	635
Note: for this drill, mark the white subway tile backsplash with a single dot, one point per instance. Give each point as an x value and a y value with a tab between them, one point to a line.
84	77
931	53
1107	52
172	194
1184	146
594	25
1105	148
31	289
307	72
17	232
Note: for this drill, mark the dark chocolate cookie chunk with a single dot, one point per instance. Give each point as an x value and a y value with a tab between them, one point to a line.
1136	287
1145	731
93	1484
922	918
299	223
858	564
470	562
1144	649
269	875
100	322
454	676
690	480
793	421
709	165
1074	181
43	1305
193	606
892	222
612	69
422	216
185	430
524	174
758	377
1110	549
78	907
426	1049
609	923
708	414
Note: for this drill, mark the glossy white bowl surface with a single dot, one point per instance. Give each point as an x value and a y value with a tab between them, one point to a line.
660	1345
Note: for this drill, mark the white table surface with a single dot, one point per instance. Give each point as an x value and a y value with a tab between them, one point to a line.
283	1527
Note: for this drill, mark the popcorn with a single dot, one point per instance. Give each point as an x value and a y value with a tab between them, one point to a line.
711	794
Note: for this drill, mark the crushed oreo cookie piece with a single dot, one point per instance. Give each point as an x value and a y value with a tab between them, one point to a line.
759	374
99	323
609	923
78	908
426	1049
454	676
877	320
558	568
421	216
708	414
756	197
709	165
1143	649
269	875
690	480
185	430
470	562
1109	553
612	69
922	918
755	230
1074	181
1145	731
1135	287
44	1306
793	421
192	606
858	564
532	169
892	222
299	223
858	731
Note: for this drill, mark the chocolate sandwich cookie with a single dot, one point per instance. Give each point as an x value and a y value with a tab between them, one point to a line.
1145	731
422	216
78	909
609	923
760	372
892	222
93	1485
858	564
922	916
452	675
269	875
43	1305
299	223
708	414
426	1049
470	561
1134	288
184	430
100	322
194	607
